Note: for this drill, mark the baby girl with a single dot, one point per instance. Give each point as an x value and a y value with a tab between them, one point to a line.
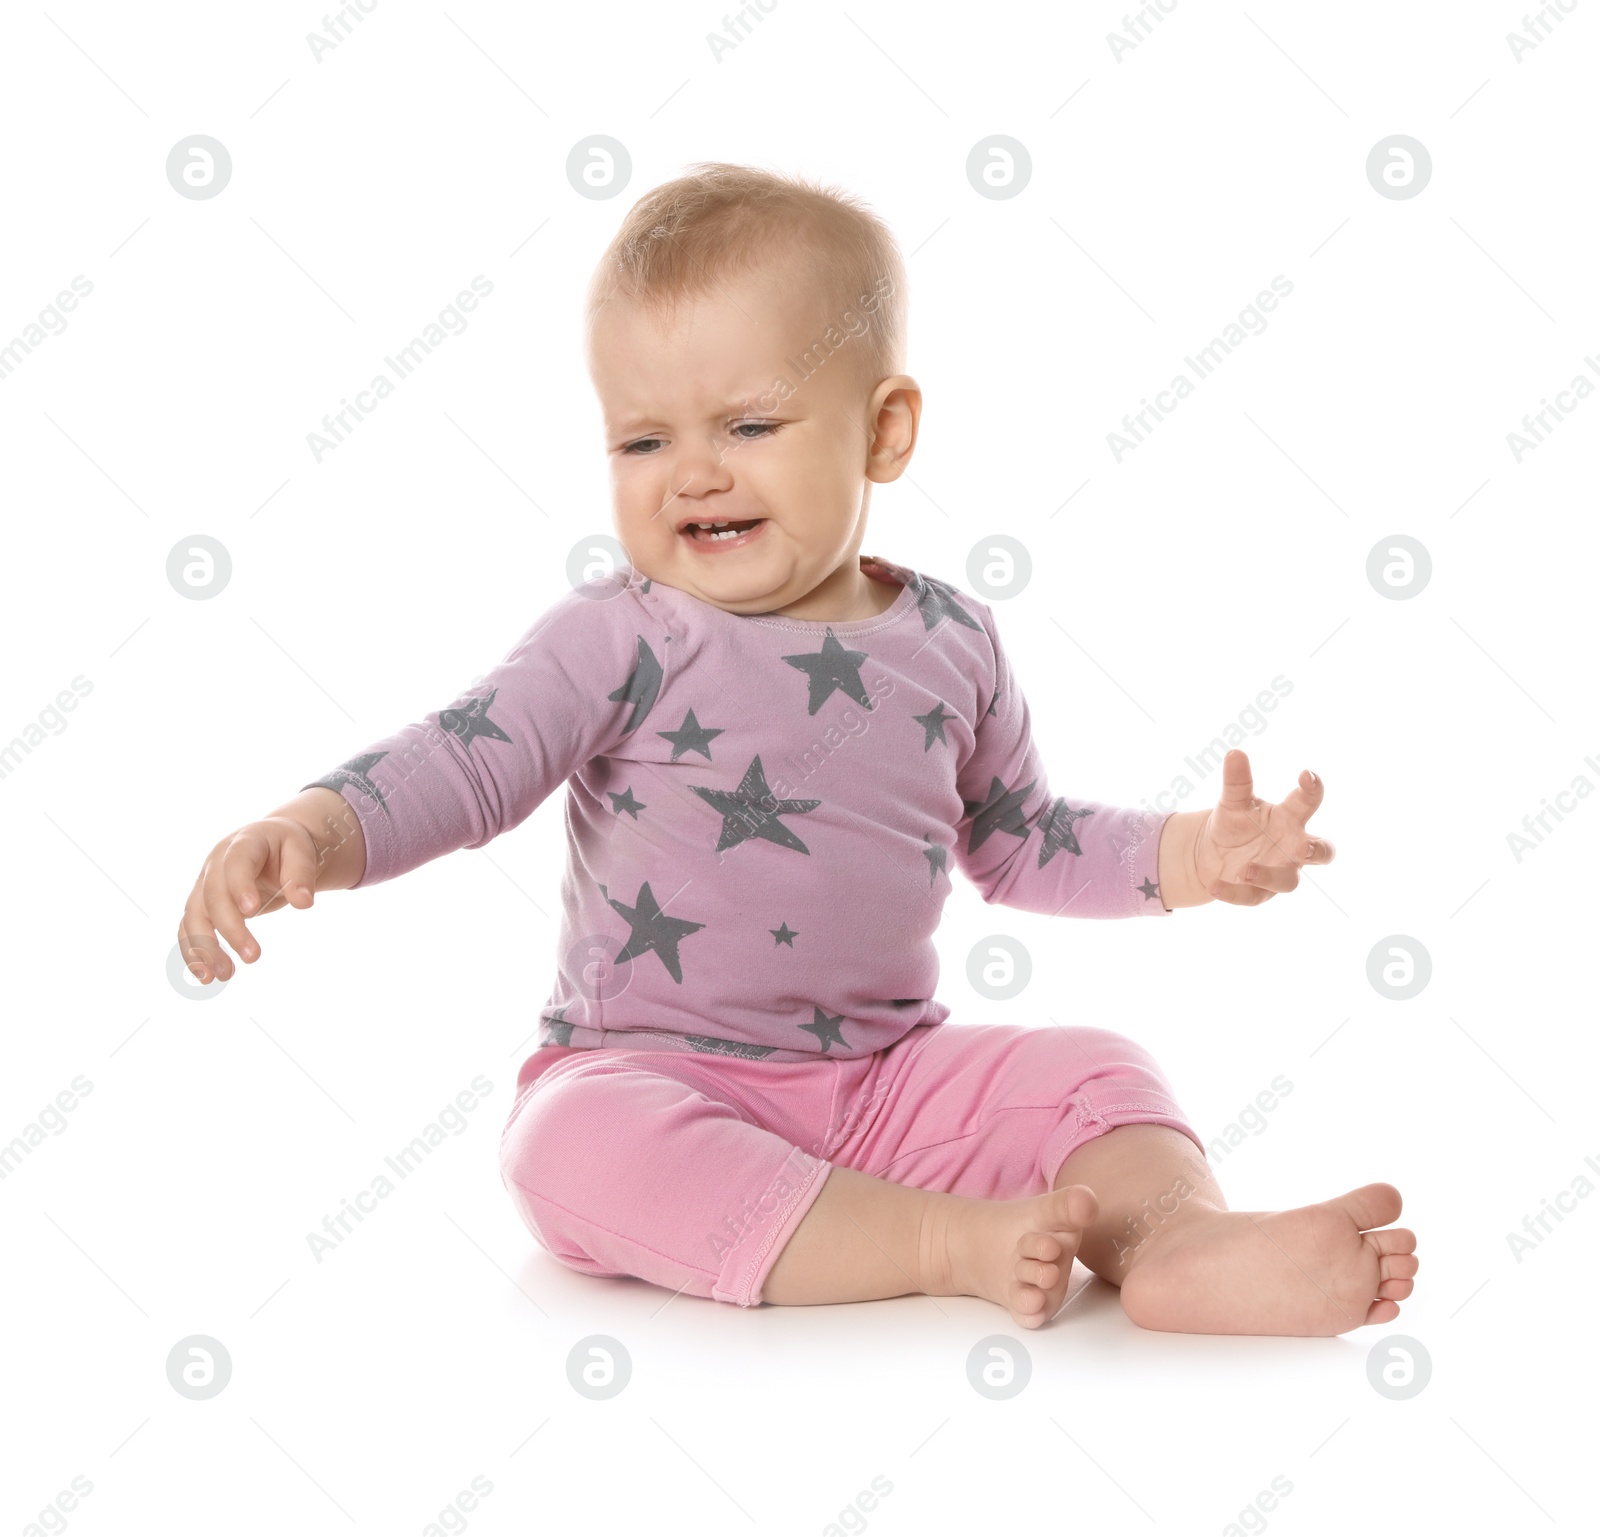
778	752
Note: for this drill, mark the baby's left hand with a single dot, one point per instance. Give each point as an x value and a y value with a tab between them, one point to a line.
1248	850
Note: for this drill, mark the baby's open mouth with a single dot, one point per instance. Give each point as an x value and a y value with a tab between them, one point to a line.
719	532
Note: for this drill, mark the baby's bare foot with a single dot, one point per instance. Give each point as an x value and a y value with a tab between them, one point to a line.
1311	1270
1016	1253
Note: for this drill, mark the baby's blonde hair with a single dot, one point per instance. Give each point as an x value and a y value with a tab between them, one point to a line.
721	220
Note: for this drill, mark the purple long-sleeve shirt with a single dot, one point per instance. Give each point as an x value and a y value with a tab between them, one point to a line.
762	812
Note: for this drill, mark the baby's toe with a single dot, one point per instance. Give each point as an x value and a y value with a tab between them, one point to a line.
1398	1267
1395	1291
1077	1204
1393	1240
1370	1206
1028	1305
1038	1272
1383	1312
1044	1246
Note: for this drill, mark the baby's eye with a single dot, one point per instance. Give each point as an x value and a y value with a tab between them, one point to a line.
644	447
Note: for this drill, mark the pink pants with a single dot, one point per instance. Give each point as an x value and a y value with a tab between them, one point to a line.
691	1171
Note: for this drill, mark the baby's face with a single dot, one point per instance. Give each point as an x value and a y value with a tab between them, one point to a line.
709	419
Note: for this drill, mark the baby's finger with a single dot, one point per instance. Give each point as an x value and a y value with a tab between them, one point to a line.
246	857
216	963
198	943
1271	877
297	865
1317	851
1306	796
1239	896
228	881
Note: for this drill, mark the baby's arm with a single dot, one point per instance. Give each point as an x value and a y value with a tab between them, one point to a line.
1180	885
335	832
460	776
464	774
1024	847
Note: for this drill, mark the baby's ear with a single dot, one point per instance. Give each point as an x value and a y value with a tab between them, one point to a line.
896	412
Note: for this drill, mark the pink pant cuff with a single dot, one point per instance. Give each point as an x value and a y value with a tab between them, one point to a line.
756	1237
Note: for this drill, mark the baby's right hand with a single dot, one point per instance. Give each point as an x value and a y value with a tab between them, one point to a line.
263	866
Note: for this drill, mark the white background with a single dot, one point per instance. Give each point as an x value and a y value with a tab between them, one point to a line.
1168	188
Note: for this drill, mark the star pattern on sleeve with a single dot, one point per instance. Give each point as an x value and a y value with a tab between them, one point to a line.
1055	823
783	935
752	811
642	687
1000	811
354	771
626	802
471	719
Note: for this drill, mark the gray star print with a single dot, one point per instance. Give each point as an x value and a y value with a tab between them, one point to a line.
691	736
933	725
1002	810
643	684
652	929
626	802
937	600
1056	824
560	1028
783	935
833	667
353	771
472	719
752	812
826	1028
935	855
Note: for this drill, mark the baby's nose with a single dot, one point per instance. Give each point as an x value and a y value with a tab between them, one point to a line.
701	464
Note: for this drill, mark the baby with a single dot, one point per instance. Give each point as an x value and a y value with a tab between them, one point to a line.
777	752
